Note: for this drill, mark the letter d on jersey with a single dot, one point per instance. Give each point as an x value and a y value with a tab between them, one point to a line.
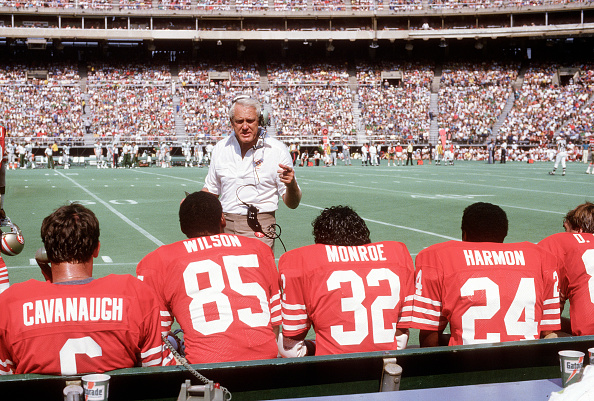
96	387
571	366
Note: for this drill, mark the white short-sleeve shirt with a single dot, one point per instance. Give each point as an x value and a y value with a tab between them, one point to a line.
252	179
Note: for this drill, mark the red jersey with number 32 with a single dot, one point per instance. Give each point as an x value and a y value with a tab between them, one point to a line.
354	296
108	323
223	291
576	271
488	292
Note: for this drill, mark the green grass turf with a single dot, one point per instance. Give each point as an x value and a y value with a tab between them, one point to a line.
418	205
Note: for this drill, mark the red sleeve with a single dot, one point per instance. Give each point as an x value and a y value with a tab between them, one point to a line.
150	271
3	276
427	305
295	318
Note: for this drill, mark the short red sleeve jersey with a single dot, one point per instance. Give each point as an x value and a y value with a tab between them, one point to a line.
576	256
354	296
223	291
488	292
108	323
3	275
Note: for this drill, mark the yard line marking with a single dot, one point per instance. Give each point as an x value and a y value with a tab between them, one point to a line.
392	225
170	177
450	198
114	211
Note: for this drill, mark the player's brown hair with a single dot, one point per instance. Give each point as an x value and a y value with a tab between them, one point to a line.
70	234
484	222
340	225
200	214
581	218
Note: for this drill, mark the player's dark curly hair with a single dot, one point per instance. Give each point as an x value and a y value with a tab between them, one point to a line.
200	214
581	218
70	234
484	222
340	225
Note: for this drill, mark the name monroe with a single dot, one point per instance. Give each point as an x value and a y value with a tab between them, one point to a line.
362	253
81	309
489	258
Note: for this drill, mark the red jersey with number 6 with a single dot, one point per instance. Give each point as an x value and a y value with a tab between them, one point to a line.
576	282
104	324
223	291
354	296
488	292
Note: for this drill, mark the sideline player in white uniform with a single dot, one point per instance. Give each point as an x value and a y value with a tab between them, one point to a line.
198	153
590	157
561	155
187	151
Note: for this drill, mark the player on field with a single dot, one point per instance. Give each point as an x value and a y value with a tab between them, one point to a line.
590	157
575	251
221	288
486	290
357	295
72	323
561	155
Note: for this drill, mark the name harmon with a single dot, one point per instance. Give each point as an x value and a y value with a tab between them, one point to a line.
490	258
73	310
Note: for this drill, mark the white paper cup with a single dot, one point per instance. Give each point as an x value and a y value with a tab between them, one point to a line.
572	363
591	355
96	387
73	392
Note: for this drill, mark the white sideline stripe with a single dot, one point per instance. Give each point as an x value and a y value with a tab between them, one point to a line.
170	177
107	259
141	230
392	225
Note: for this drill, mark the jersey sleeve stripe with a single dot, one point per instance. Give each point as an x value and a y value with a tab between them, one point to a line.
276	319
275	308
551	301
424	311
426	300
165	313
428	322
295	327
294	317
151	351
154	362
550	322
551	312
293	306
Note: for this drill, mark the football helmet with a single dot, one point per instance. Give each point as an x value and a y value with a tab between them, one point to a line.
13	241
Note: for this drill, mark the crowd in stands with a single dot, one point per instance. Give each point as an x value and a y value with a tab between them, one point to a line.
544	106
471	98
278	5
311	99
395	111
305	101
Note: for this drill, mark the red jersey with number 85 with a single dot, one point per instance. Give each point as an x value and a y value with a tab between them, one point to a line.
488	292
576	283
223	291
354	296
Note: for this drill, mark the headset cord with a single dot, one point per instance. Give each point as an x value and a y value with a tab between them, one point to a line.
185	363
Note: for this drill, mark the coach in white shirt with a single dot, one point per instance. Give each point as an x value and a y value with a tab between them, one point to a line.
249	168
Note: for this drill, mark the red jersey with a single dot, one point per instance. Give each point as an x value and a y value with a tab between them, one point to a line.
3	275
575	253
69	329
488	292
354	296
223	291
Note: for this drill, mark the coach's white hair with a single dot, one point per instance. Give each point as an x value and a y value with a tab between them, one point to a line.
245	101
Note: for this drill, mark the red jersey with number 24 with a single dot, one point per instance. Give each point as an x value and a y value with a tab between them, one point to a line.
223	291
576	283
488	292
354	296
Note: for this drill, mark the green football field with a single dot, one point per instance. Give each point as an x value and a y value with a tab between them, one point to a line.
418	205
